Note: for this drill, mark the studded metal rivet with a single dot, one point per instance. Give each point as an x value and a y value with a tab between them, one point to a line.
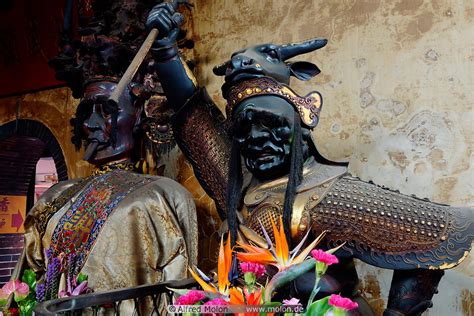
422	213
339	213
395	216
315	197
395	207
409	219
341	204
389	214
354	206
382	213
429	223
329	202
402	228
402	218
388	204
366	220
334	203
360	218
362	200
443	238
415	231
441	225
375	211
416	221
434	224
422	222
375	203
342	195
408	209
374	221
422	232
408	230
369	200
435	235
335	194
429	234
348	205
402	208
321	211
333	213
382	203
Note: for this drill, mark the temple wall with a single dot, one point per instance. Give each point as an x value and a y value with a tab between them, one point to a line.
54	108
396	79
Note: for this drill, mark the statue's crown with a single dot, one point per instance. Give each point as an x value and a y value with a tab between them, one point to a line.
308	107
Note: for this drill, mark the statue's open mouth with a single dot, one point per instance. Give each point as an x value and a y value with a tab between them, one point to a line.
93	146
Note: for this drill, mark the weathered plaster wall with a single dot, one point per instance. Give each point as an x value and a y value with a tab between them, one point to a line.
54	108
397	81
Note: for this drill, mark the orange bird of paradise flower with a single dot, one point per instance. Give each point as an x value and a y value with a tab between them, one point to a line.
224	266
278	255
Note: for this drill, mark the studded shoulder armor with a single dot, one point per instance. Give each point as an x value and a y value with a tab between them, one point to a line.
389	229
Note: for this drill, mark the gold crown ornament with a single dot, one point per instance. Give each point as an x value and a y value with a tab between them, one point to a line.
308	107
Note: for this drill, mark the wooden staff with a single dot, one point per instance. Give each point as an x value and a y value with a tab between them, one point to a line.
133	67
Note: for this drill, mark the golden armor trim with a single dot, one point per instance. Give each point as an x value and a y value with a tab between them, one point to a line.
308	107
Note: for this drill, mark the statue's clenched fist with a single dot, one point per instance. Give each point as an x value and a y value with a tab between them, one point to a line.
166	20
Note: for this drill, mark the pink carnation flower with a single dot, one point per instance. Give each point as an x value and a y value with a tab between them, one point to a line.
191	298
252	267
324	257
217	301
342	302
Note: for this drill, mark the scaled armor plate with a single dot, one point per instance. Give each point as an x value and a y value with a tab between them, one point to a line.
381	227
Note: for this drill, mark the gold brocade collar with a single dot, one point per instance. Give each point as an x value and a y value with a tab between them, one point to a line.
123	165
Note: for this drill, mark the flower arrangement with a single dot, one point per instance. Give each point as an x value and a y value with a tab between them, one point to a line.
23	294
253	262
59	282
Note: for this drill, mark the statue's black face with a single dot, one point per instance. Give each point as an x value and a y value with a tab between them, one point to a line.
97	125
263	126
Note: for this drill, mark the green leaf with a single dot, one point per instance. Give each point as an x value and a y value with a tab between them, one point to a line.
319	308
288	275
81	278
26	307
29	277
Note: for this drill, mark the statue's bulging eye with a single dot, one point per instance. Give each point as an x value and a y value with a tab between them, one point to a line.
272	54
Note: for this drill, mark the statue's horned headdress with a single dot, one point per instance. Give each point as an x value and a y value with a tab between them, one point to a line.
269	60
263	70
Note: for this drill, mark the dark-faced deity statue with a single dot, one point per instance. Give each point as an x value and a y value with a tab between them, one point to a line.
118	226
268	129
